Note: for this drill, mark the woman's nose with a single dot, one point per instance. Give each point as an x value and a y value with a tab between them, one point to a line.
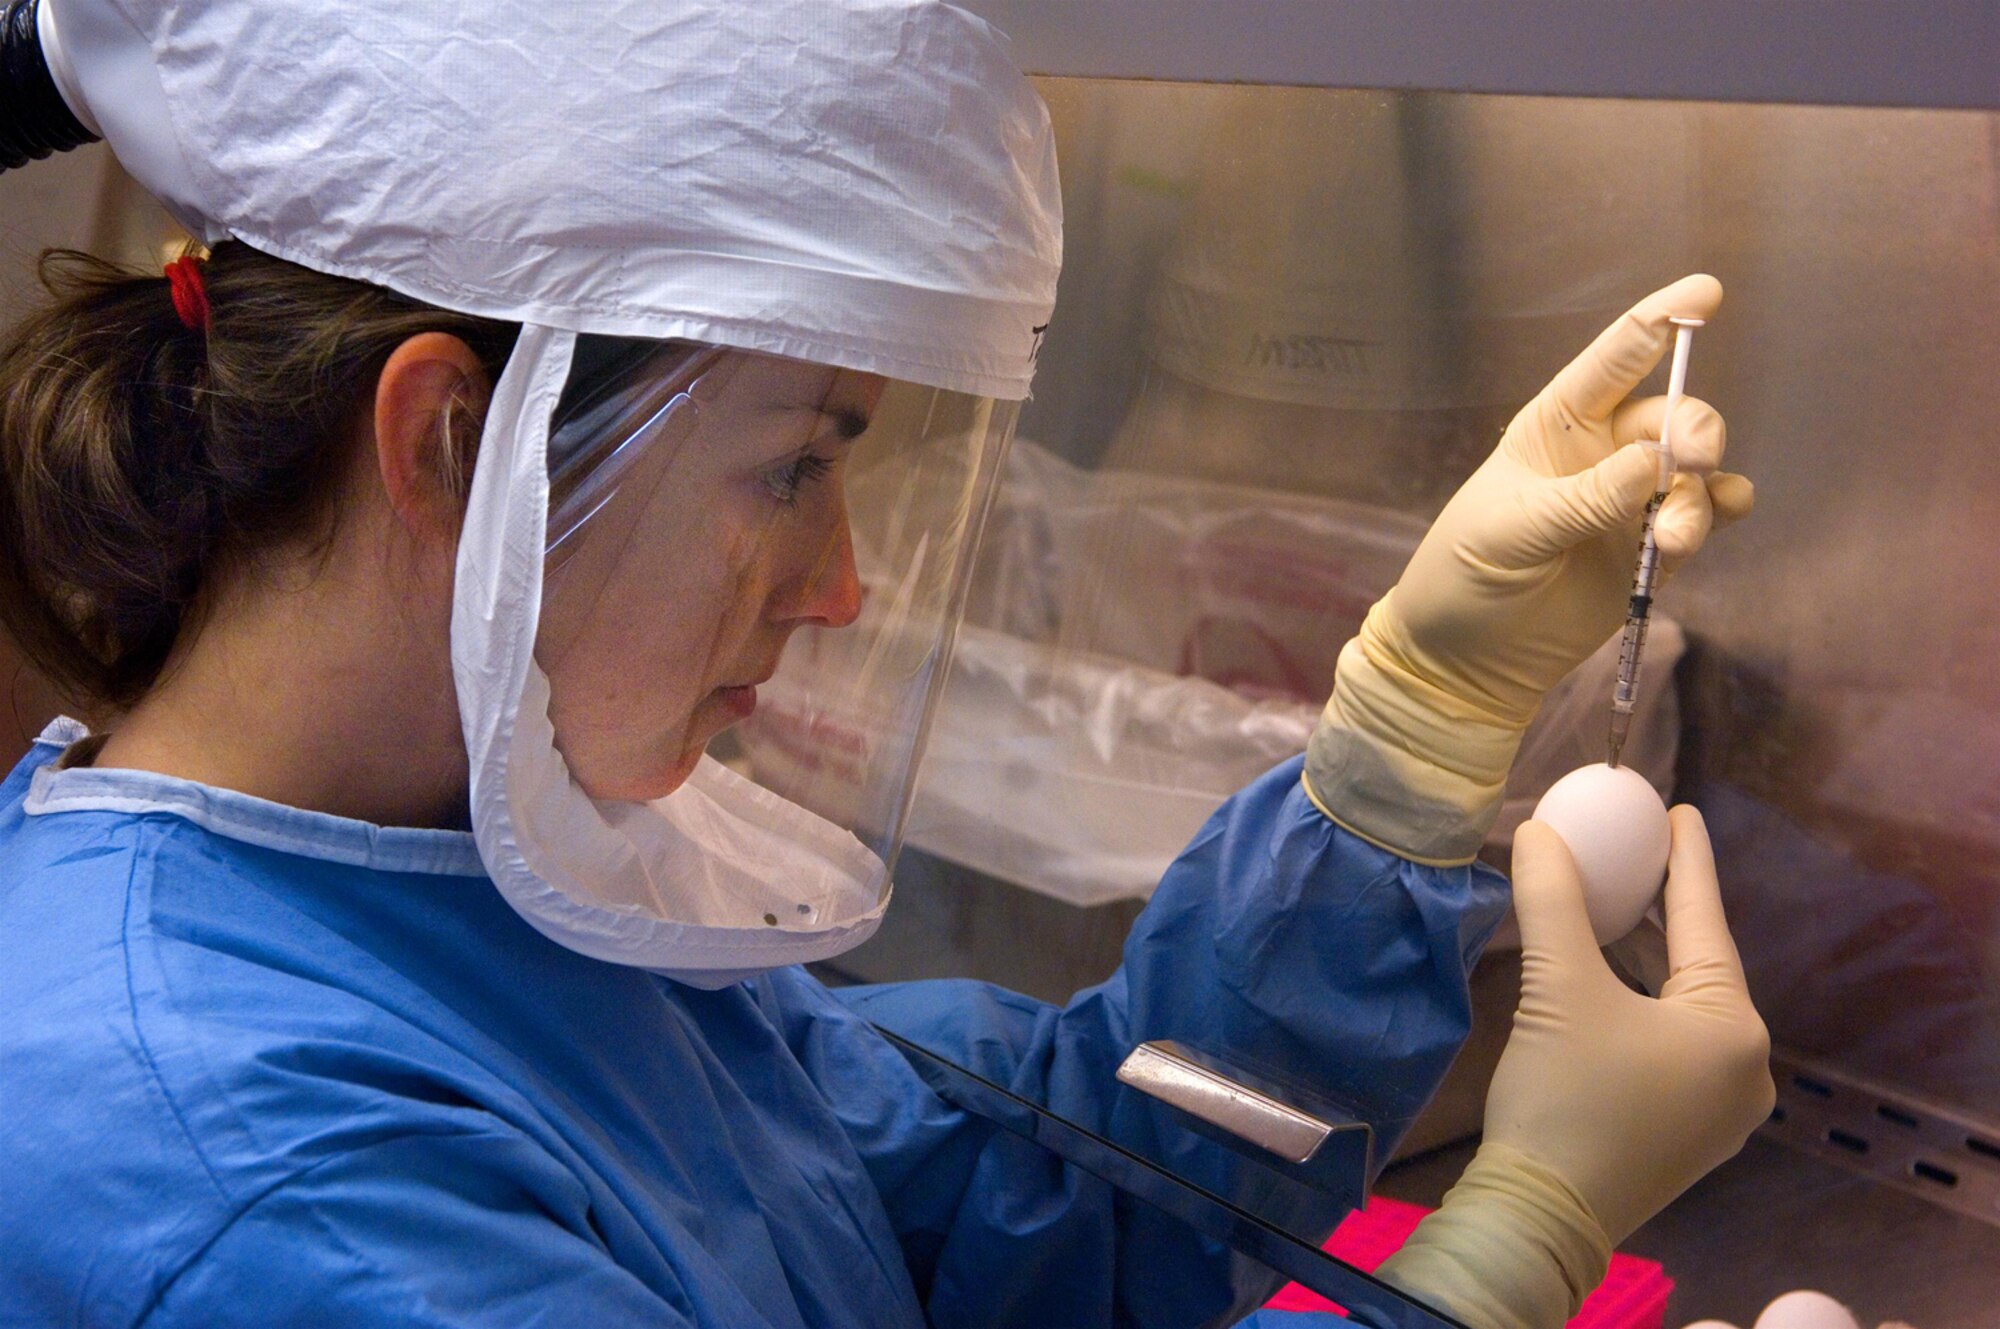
829	593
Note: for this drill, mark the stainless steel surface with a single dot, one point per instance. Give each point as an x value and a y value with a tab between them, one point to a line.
1939	1155
54	204
1771	1220
1197	1086
951	922
1860	52
75	200
1842	709
1641	955
1841	704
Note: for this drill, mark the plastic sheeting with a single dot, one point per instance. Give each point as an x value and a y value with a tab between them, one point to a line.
1139	647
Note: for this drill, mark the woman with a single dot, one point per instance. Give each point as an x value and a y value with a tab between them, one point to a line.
419	541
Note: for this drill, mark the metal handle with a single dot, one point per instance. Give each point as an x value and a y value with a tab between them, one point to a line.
1204	1087
1367	1299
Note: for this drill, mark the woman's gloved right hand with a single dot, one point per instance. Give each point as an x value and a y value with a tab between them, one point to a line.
1526	572
1606	1105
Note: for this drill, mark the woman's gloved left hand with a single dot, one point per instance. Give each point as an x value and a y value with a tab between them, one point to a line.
1525	573
1606	1104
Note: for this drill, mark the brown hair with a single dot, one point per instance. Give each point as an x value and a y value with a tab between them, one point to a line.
136	453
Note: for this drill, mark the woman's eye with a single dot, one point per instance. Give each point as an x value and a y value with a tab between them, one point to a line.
788	480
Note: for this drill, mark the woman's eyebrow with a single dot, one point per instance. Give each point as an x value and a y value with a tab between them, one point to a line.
849	422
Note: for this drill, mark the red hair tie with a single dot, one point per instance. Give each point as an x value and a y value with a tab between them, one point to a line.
190	295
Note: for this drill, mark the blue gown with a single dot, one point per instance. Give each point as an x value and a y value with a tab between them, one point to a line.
267	1067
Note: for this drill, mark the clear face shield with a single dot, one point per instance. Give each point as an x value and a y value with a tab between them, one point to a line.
715	744
730	598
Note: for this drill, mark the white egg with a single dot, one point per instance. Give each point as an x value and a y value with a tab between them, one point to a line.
1806	1310
1709	1324
1617	831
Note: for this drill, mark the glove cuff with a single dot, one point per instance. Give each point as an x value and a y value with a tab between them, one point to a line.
1405	765
1512	1247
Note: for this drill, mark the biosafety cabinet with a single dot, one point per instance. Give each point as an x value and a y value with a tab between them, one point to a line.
1316	256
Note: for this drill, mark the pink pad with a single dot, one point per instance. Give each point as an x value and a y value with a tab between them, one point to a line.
1633	1294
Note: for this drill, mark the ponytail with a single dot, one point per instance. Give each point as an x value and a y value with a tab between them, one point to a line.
140	446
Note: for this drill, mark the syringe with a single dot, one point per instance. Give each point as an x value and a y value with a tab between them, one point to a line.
1632	647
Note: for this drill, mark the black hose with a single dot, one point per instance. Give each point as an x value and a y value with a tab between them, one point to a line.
35	121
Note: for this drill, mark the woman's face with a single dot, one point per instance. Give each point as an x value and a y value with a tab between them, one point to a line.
674	600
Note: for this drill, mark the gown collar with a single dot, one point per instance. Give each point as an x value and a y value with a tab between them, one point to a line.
54	789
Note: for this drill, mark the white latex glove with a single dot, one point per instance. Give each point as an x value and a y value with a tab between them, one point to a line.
1606	1104
1524	574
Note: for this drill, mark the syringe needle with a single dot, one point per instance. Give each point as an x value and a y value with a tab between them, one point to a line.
1621	725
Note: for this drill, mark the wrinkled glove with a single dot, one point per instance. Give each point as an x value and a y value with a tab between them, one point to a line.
1525	573
1606	1104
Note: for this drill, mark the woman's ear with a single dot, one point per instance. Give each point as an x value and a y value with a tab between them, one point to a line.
429	404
